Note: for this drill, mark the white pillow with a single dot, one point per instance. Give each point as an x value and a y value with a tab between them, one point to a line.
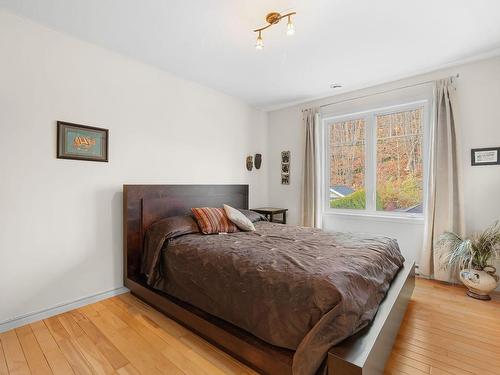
240	220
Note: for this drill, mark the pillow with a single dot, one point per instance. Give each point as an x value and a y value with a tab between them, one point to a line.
213	220
252	215
238	218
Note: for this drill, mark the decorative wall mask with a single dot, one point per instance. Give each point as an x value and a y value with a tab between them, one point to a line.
258	161
249	163
285	167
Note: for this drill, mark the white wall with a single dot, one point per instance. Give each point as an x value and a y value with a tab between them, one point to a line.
61	220
478	91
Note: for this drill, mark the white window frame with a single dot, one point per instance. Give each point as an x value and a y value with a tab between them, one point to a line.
370	182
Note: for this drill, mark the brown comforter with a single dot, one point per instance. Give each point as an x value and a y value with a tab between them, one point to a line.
298	288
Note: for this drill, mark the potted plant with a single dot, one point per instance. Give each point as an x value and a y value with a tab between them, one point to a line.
472	257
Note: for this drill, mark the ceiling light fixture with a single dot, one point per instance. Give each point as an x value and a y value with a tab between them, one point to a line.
259	44
290	27
272	19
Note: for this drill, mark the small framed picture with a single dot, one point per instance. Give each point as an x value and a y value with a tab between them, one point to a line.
285	168
285	179
285	156
485	156
81	142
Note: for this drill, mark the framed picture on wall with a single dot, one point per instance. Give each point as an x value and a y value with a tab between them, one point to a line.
81	142
485	156
285	179
285	156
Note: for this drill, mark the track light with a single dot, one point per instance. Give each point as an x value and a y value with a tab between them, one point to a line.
272	19
290	27
260	43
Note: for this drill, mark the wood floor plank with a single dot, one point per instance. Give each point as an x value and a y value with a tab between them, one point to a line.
138	351
198	345
156	325
154	316
467	322
216	356
74	357
128	370
3	362
461	327
56	359
444	329
463	312
179	355
398	364
466	353
401	357
97	361
175	361
438	371
34	356
411	327
426	339
444	332
106	347
431	360
401	368
16	361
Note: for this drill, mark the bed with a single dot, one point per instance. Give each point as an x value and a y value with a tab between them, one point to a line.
362	353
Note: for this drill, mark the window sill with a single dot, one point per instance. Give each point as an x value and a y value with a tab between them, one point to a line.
417	219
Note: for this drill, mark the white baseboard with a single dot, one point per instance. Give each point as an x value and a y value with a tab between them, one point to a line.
21	320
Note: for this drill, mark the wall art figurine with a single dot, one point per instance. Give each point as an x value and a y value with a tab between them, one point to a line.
285	167
249	162
258	161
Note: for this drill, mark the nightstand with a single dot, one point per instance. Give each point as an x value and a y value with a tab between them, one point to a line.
271	212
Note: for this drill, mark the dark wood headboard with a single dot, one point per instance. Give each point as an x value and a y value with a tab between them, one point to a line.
145	204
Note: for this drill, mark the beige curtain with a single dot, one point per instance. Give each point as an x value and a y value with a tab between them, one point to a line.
311	191
444	205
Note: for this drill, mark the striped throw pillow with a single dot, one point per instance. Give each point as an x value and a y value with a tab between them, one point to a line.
213	220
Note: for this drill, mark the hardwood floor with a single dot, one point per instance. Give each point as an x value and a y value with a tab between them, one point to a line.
444	332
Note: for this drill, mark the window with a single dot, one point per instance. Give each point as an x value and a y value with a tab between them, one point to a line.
347	171
400	161
375	160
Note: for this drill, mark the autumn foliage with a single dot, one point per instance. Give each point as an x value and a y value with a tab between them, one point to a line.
399	160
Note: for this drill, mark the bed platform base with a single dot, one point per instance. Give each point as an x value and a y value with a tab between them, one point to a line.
362	354
366	352
248	349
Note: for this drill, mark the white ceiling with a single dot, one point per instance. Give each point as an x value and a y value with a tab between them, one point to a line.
354	42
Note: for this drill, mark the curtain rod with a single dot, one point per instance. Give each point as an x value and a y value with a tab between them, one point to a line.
385	91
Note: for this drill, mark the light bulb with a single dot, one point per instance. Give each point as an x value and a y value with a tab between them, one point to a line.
260	43
290	27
